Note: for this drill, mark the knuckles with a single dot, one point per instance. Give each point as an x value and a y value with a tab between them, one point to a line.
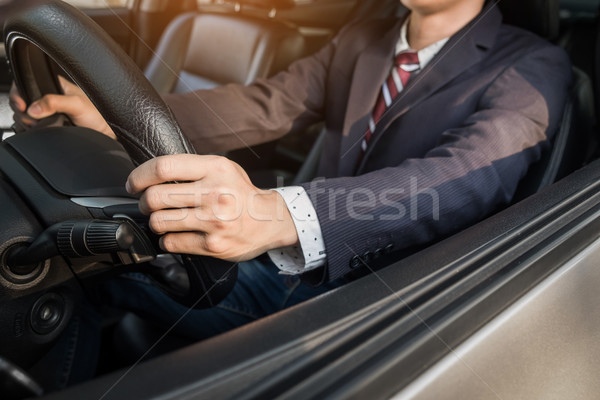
224	196
222	166
219	164
220	224
163	168
157	223
49	103
170	243
215	245
151	200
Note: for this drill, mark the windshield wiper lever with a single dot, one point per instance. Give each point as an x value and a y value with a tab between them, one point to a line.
84	238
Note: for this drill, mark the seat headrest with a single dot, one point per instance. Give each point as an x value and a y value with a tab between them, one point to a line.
277	4
538	16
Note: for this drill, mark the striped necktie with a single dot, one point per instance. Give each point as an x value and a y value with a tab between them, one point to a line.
405	64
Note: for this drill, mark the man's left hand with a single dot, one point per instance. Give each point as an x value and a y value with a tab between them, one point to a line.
214	210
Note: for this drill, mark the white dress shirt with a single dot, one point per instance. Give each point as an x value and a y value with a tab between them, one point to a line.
310	253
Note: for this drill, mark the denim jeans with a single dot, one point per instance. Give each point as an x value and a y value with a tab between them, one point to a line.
259	291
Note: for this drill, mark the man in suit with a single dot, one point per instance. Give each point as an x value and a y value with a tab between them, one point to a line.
431	122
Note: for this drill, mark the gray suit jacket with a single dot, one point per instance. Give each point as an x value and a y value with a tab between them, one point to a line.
450	150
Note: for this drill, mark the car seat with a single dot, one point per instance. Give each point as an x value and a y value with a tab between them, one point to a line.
201	51
570	145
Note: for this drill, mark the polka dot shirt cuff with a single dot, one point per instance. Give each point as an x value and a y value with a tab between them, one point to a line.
310	253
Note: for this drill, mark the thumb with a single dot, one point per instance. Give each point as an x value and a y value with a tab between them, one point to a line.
37	111
51	104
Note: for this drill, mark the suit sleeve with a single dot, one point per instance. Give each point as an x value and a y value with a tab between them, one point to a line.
473	171
236	116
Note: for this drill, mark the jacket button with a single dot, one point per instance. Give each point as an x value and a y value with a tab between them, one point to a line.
389	248
379	252
355	262
367	257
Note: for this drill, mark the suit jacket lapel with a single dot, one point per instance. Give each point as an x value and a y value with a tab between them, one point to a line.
372	68
463	50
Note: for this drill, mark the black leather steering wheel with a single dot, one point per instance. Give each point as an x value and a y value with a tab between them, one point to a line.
141	120
136	113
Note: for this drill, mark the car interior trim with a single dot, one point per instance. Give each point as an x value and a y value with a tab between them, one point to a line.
102	202
543	328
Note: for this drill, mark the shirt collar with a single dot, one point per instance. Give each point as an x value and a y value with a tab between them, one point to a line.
426	54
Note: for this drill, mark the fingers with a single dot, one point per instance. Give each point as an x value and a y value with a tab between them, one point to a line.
51	104
18	105
197	243
176	220
180	167
69	103
23	120
16	101
184	220
73	102
192	219
176	195
183	242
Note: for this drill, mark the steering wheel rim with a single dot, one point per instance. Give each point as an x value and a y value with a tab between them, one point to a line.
140	119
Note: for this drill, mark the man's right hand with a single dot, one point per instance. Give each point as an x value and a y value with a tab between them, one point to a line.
74	103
